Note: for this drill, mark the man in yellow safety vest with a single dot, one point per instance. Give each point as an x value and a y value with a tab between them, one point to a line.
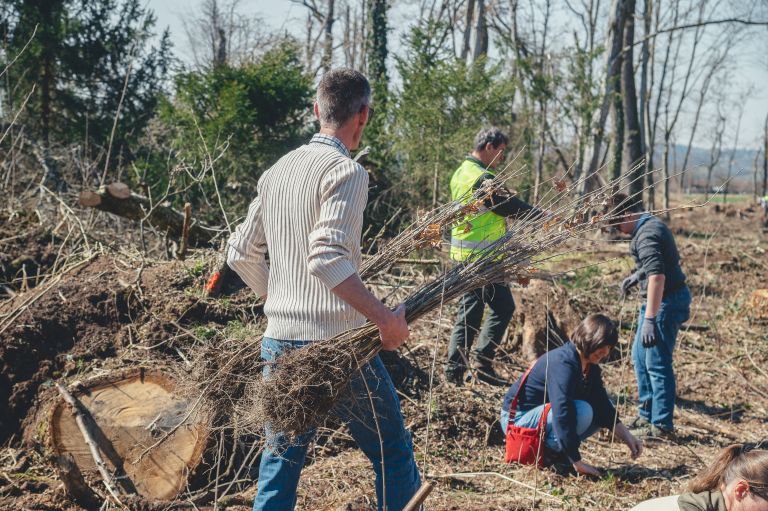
476	233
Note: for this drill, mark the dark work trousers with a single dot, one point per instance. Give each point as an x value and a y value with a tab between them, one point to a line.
498	297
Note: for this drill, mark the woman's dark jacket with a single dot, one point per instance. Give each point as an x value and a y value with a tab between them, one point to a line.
561	370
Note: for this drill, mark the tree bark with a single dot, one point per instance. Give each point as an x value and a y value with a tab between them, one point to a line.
467	30
328	42
117	199
481	32
765	157
612	76
633	142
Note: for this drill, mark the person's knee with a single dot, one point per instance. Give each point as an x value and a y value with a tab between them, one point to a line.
584	416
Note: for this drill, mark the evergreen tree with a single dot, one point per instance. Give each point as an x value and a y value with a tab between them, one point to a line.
78	61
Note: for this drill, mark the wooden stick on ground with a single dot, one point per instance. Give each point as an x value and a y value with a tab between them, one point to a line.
77	411
419	497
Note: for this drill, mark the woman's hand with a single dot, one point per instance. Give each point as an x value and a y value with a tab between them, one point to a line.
635	445
586	469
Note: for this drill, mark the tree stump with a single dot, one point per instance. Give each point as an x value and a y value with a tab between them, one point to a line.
547	316
148	436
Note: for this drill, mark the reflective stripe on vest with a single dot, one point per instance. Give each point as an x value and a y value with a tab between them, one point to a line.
471	245
479	230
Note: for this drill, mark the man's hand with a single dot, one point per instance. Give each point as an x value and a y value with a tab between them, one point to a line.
586	469
649	333
393	329
630	282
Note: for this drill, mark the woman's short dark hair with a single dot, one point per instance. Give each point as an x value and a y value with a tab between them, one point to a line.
341	93
595	332
493	136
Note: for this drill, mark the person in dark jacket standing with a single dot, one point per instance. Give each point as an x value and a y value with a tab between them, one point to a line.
474	234
666	307
569	378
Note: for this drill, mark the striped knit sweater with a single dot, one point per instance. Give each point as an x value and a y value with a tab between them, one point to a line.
308	216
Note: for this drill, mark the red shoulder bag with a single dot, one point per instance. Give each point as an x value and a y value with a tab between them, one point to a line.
525	445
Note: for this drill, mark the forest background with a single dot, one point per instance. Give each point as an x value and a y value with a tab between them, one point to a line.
95	91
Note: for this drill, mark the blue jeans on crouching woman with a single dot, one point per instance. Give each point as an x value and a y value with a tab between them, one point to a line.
281	462
530	419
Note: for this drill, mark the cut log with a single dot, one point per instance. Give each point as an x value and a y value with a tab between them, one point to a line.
142	428
117	199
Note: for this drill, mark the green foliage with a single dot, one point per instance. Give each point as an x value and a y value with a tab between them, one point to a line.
237	119
441	106
77	63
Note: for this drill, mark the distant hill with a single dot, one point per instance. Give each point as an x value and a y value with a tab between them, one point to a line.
743	165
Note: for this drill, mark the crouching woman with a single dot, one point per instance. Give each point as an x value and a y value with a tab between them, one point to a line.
569	379
736	481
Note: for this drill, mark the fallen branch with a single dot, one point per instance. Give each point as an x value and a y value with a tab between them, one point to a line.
419	497
117	199
79	413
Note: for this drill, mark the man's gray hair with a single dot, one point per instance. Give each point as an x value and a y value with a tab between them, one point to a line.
341	93
493	136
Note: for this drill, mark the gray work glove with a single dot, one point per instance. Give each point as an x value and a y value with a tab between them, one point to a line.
649	333
630	282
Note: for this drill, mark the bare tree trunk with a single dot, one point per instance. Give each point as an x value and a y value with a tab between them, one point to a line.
481	32
612	76
765	157
644	113
633	143
328	43
715	151
732	158
467	30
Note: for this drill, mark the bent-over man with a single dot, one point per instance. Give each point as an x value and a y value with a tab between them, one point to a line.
308	216
666	306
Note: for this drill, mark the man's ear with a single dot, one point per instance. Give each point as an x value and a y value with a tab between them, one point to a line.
489	147
317	111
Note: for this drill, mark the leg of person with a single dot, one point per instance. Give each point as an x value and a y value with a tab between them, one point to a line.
470	315
281	461
673	312
644	389
279	471
584	423
501	307
372	413
504	420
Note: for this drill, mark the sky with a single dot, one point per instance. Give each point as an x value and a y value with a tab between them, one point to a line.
751	65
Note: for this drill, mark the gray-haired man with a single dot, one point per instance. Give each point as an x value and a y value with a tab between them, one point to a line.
308	215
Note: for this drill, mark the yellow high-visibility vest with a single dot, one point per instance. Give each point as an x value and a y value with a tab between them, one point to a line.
477	232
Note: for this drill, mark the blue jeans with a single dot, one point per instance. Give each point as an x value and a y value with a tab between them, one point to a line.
653	366
530	419
397	477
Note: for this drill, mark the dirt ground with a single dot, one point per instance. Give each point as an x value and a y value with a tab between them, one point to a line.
108	310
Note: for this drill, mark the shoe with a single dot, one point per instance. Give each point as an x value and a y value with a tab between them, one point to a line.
455	377
638	422
653	432
486	374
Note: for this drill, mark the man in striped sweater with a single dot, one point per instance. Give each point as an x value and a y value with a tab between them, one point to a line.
308	216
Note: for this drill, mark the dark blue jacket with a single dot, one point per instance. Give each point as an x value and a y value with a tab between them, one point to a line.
655	253
560	369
